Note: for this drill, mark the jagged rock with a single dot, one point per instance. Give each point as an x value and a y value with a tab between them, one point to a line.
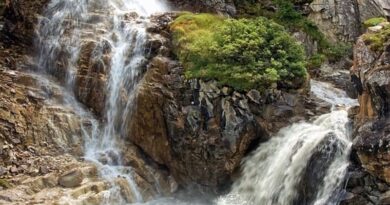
372	69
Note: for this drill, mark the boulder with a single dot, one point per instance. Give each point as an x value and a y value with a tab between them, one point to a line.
71	178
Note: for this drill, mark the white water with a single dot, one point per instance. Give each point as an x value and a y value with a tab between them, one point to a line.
272	175
66	25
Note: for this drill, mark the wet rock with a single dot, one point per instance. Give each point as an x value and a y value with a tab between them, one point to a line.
20	18
71	178
325	152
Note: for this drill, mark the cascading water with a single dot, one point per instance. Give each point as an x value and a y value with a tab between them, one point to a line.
114	25
303	164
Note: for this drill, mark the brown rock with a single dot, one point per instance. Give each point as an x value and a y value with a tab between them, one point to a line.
71	178
371	72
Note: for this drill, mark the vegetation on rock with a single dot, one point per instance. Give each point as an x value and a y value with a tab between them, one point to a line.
377	40
245	53
286	14
374	21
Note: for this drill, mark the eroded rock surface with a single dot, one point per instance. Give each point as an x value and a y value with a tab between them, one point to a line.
370	75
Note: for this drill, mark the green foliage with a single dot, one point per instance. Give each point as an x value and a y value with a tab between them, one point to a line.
374	22
377	40
244	54
316	61
287	15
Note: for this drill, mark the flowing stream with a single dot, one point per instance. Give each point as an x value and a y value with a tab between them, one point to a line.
117	31
304	164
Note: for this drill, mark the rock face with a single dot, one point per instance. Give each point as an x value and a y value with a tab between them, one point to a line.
373	8
41	144
224	7
20	19
370	75
340	20
337	19
373	122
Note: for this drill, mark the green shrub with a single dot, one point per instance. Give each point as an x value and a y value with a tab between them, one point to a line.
244	54
287	15
374	22
376	41
316	61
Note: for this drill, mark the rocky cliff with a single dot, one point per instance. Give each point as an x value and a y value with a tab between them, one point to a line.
370	75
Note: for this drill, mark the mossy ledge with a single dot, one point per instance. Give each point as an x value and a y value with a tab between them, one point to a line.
376	40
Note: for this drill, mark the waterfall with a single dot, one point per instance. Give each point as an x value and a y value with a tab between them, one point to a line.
116	28
304	164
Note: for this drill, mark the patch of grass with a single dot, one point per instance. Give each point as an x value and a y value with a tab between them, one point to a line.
244	54
374	22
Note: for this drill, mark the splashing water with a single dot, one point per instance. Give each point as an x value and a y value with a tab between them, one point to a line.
117	27
303	164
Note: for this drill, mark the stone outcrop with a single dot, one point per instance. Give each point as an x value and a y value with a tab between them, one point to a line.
341	20
337	19
199	130
370	75
372	120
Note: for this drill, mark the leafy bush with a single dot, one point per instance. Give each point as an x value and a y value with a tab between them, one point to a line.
287	15
316	61
377	40
244	54
374	22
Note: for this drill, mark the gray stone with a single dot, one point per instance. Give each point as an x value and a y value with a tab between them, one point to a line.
254	96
